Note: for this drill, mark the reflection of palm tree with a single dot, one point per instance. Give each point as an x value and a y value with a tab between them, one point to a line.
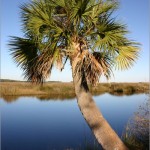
84	32
136	134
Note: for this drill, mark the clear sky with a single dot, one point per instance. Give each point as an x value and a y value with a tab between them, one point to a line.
132	12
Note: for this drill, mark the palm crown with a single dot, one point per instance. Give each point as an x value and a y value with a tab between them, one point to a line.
82	30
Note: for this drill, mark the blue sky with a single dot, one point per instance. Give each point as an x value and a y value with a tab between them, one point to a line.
134	13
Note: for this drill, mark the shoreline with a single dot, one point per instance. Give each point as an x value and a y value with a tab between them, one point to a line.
67	88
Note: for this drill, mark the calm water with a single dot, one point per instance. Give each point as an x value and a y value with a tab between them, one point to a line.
29	123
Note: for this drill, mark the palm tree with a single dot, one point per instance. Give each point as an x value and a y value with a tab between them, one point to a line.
84	32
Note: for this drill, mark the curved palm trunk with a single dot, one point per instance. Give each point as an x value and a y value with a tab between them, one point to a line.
104	134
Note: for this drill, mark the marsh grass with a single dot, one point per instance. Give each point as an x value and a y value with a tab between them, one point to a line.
62	89
9	90
129	88
18	88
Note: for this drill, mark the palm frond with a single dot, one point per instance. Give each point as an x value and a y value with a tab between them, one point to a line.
110	34
36	16
126	56
23	50
35	64
57	30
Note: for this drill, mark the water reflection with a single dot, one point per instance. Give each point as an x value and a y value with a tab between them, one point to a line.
10	99
60	97
31	123
56	97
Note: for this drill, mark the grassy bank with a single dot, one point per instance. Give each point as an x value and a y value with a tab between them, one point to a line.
67	89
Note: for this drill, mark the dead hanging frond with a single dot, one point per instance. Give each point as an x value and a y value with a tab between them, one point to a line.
58	57
106	63
44	66
64	63
93	65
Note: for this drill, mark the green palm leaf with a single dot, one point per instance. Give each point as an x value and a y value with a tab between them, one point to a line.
58	30
126	57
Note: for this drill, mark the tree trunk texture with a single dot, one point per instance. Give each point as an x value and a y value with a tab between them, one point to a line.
104	134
